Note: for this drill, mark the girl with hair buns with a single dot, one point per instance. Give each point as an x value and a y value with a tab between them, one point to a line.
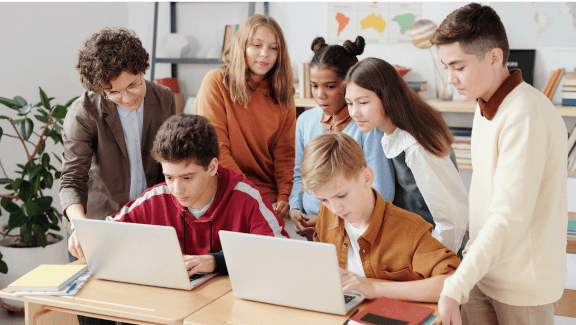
417	141
250	101
328	69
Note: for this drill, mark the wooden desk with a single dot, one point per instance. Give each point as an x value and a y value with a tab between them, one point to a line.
235	311
131	303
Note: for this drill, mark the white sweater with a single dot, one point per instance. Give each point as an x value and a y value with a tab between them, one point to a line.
518	204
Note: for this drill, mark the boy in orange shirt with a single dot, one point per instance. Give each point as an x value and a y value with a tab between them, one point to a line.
373	238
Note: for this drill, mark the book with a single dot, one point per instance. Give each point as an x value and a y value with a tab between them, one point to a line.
556	83
301	81
171	83
229	31
568	102
571	227
572	138
418	85
551	83
389	311
461	131
307	86
569	95
570	81
48	277
69	290
569	88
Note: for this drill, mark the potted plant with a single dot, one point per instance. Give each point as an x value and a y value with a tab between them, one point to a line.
26	205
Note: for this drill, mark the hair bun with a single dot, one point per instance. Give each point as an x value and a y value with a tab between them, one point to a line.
318	43
355	48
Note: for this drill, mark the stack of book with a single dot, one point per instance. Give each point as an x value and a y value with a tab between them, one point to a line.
389	311
462	144
572	150
569	92
549	88
304	86
418	85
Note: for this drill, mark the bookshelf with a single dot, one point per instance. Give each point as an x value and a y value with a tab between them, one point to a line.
450	107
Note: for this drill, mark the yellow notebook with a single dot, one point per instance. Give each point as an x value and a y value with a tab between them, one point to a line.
48	277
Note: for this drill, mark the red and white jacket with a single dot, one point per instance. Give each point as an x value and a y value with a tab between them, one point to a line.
238	206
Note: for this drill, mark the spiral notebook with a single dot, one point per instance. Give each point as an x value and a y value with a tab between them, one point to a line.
48	277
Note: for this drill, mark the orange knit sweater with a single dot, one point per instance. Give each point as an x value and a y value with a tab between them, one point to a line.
257	141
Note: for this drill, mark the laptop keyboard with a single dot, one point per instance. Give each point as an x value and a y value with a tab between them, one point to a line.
196	276
348	298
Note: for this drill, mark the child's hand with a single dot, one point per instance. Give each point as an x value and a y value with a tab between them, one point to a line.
199	263
75	248
449	311
281	208
351	281
303	224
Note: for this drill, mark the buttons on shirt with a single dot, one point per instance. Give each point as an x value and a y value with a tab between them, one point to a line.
345	244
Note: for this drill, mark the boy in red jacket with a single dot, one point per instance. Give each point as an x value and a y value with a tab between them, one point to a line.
199	197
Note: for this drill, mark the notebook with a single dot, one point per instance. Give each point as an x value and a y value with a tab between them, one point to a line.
48	277
286	272
135	253
386	311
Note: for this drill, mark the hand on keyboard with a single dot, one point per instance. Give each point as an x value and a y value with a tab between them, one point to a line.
199	263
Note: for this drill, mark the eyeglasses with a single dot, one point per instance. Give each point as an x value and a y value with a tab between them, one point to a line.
134	89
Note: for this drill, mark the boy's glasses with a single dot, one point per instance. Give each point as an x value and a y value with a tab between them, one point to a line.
134	89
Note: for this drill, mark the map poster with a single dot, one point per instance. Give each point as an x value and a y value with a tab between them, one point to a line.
377	22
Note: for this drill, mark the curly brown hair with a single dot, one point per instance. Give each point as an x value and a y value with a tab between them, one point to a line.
476	28
107	54
186	137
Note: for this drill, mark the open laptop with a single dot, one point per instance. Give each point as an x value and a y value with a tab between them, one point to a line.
135	253
286	272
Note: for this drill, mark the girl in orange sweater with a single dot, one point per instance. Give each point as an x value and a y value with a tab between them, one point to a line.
250	101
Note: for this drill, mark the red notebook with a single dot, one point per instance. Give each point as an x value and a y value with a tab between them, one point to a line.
386	311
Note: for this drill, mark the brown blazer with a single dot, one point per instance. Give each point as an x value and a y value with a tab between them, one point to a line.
95	165
398	245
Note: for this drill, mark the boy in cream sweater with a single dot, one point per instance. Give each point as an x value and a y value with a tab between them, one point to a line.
514	268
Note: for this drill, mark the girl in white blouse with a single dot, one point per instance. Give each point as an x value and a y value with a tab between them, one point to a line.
418	142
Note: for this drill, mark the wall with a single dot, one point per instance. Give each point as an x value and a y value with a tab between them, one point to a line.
39	48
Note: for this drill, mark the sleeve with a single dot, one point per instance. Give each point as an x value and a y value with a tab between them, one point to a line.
78	134
519	171
444	193
384	180
211	103
284	154
297	194
320	225
133	211
220	263
262	219
431	258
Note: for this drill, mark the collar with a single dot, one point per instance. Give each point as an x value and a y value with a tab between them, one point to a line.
253	85
375	223
332	122
395	143
488	109
123	111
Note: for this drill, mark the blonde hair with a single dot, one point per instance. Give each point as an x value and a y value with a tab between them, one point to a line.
236	71
328	155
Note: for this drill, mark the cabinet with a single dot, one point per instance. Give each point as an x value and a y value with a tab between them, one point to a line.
175	61
451	107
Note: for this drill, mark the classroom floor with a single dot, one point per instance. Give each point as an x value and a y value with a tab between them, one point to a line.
18	319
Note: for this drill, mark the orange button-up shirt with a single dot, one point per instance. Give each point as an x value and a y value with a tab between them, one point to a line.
398	245
337	122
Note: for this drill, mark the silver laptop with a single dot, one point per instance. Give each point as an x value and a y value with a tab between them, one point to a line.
135	253
286	272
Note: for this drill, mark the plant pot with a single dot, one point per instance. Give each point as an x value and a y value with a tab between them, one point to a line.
21	260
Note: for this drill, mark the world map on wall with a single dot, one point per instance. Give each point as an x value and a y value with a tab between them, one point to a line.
376	22
538	24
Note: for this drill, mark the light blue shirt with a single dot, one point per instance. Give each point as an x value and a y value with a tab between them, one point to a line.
307	127
132	124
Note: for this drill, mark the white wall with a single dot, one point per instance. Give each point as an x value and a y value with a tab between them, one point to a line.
39	45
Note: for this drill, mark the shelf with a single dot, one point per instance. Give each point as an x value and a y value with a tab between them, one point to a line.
446	106
189	61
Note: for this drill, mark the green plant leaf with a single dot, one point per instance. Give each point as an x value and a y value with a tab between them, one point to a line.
44	112
53	216
25	234
40	235
41	118
16	184
17	219
29	208
43	204
1	132
10	103
35	171
45	160
3	266
47	181
70	101
26	191
5	181
36	183
25	128
60	111
21	101
42	148
54	227
58	158
25	110
44	99
57	174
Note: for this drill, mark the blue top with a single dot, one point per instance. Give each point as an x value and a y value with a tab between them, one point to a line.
308	126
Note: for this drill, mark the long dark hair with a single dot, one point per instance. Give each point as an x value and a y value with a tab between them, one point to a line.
404	106
338	58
